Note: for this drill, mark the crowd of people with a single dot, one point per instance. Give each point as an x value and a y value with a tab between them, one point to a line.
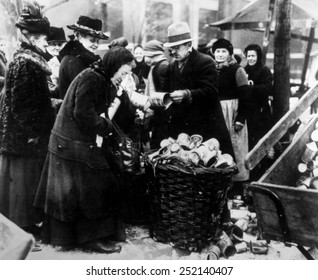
61	105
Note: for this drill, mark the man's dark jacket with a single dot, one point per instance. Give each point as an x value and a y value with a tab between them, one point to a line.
203	114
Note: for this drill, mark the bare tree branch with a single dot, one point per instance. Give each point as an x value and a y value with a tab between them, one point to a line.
54	5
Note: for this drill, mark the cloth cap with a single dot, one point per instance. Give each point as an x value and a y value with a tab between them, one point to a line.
56	34
178	34
223	44
89	26
153	47
31	19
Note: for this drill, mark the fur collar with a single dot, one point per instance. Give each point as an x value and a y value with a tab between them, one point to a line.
29	55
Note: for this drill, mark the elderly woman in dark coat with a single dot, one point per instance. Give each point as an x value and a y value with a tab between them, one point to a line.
78	191
260	77
79	52
25	122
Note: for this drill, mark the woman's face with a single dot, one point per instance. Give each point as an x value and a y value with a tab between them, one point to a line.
121	74
90	43
139	54
39	41
221	55
251	57
55	47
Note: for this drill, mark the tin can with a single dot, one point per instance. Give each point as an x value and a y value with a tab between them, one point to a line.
184	140
196	140
241	247
212	144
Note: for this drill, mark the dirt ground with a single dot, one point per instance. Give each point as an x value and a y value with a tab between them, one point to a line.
139	246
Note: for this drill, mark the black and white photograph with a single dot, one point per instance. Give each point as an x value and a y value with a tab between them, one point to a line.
159	130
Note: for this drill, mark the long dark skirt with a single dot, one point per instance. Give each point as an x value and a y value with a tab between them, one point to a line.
80	203
19	179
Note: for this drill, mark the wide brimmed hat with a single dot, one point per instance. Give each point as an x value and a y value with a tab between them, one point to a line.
32	20
223	44
89	26
56	34
153	48
178	33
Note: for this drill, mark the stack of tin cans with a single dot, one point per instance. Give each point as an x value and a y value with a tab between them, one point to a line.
192	150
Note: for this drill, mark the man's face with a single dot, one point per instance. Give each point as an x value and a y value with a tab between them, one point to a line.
179	52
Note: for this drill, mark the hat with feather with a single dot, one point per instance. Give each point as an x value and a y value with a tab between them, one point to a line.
32	19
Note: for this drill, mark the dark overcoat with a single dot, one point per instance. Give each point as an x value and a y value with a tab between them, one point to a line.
259	117
75	58
76	180
203	115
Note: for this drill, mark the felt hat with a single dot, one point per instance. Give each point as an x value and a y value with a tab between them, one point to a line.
223	44
153	47
89	26
56	34
32	19
178	33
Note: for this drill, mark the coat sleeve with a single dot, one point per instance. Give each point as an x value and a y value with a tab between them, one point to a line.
243	94
205	74
262	89
86	102
31	105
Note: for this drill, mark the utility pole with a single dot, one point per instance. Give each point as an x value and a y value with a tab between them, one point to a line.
282	59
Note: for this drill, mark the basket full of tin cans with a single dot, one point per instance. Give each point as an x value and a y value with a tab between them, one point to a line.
188	181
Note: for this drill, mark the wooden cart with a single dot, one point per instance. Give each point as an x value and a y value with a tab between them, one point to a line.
284	212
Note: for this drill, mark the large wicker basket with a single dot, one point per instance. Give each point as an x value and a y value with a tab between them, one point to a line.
186	203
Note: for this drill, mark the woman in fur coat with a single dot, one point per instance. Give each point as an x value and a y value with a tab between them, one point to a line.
26	120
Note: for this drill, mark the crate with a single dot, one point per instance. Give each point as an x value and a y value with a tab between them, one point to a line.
186	203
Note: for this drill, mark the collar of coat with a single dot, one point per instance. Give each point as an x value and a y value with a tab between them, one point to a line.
33	57
75	48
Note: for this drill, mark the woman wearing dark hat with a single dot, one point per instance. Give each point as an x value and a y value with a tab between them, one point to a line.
261	88
142	69
233	93
26	120
78	53
78	192
56	42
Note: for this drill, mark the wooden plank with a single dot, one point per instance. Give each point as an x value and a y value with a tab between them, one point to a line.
280	128
286	164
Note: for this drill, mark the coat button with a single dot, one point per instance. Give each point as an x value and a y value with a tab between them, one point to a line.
59	146
91	147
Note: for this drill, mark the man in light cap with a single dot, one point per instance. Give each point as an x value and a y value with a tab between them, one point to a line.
192	86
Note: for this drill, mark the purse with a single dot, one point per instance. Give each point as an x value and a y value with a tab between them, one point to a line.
124	153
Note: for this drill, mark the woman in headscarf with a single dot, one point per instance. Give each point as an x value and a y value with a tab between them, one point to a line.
260	79
78	191
142	69
79	53
233	93
26	120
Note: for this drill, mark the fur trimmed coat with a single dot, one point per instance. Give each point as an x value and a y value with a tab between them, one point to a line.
75	58
27	116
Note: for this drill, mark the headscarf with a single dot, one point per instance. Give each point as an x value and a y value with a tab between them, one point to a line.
115	58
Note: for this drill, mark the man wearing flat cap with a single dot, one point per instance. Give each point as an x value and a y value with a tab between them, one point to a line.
192	84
